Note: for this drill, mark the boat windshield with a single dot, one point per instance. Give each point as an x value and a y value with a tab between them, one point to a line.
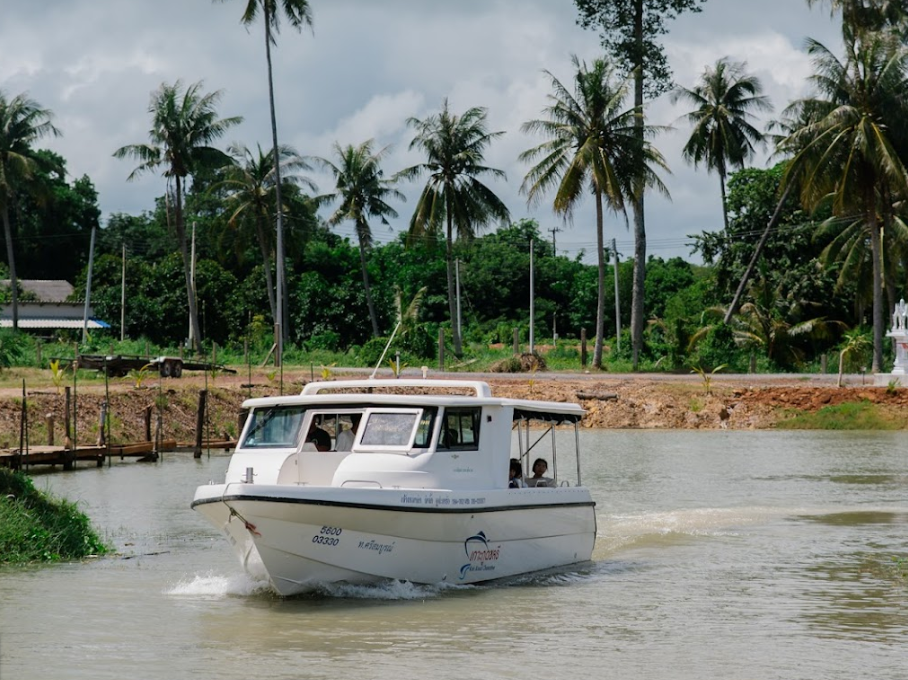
274	427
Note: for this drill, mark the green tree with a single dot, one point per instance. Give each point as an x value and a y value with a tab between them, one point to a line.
362	190
454	196
723	136
846	151
593	145
630	30
299	14
22	123
184	125
869	15
250	183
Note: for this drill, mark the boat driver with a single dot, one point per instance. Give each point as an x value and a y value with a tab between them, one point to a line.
318	436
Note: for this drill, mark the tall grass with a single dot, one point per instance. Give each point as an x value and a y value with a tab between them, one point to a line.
37	528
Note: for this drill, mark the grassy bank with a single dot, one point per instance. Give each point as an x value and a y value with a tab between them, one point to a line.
37	528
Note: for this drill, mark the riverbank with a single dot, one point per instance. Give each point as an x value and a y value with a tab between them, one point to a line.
35	527
614	402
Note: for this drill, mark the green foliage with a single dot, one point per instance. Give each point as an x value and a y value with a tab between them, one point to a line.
860	415
11	347
707	378
36	528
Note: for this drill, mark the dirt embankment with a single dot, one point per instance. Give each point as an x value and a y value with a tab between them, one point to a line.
652	402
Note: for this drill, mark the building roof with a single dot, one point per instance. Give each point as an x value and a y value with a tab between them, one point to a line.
48	323
45	290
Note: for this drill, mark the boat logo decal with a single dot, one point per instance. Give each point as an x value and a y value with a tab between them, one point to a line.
480	554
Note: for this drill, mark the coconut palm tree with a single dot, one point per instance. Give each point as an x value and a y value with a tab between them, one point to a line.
22	123
869	15
251	193
592	146
454	196
723	136
362	190
846	151
298	14
184	125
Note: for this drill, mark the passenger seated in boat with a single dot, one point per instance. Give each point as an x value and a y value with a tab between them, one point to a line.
515	475
319	437
345	439
540	467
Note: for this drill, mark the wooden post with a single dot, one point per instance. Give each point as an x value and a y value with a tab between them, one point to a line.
441	349
200	424
753	362
148	411
246	351
67	414
214	353
583	354
824	361
102	423
38	352
516	341
147	353
49	419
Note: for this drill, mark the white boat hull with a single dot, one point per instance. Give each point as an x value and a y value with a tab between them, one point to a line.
305	536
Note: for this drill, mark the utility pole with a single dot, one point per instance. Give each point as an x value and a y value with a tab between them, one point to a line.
532	301
123	298
617	301
459	319
554	231
192	283
91	261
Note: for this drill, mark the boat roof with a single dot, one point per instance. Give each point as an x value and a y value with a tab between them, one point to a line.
355	392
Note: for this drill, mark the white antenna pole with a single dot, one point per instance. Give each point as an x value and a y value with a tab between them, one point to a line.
192	282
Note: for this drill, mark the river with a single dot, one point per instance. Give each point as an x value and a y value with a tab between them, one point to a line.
720	555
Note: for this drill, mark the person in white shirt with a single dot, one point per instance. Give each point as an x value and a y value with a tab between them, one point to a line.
345	439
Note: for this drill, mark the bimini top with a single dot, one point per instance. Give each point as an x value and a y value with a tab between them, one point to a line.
356	391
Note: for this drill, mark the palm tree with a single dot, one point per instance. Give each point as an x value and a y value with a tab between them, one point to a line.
251	186
184	124
299	14
362	190
723	136
454	146
869	15
846	149
22	123
593	145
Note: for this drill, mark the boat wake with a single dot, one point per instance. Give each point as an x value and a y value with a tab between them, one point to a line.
215	587
387	590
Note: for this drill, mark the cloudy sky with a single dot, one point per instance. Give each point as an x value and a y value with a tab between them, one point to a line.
365	69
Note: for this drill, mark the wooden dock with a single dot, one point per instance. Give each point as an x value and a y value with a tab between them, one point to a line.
67	458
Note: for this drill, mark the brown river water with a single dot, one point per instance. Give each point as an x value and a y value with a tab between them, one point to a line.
721	555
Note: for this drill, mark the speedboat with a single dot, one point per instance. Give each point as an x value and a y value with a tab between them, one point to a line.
422	494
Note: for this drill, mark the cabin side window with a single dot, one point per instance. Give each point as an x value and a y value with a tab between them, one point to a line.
460	429
274	427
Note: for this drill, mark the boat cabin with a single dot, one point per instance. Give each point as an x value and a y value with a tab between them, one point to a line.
398	434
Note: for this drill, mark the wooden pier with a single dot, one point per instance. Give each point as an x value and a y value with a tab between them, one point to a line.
68	458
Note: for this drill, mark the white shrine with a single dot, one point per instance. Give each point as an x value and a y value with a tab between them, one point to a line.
899	333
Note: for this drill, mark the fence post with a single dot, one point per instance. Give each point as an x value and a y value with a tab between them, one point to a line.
49	419
515	341
148	410
200	424
583	354
441	349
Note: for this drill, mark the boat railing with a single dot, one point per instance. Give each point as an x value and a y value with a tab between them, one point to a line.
479	388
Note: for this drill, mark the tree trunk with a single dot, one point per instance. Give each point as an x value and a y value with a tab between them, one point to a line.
449	261
362	261
724	200
281	287
639	289
876	250
11	261
187	265
266	260
774	220
600	296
